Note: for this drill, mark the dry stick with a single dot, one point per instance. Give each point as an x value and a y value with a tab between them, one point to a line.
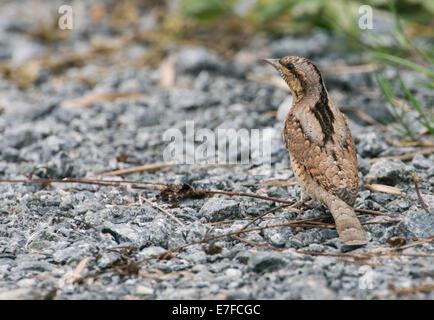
263	215
294	223
365	117
245	194
133	182
257	244
381	222
413	289
77	220
405	156
416	186
148	167
234	235
375	213
365	255
288	202
132	186
84	181
162	210
384	251
228	234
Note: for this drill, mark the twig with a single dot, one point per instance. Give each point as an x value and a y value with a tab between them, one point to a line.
391	252
381	222
405	156
257	244
245	194
103	183
76	274
365	117
147	167
412	289
279	183
91	99
87	224
416	186
132	185
263	215
349	69
228	234
374	212
162	210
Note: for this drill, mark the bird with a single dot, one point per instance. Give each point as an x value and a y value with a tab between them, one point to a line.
322	151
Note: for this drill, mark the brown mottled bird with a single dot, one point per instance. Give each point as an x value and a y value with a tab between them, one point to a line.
323	154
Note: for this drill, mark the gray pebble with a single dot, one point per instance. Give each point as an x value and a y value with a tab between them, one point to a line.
196	59
218	209
371	145
388	171
420	162
266	262
417	223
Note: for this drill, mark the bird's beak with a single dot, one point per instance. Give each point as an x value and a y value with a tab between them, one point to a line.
274	62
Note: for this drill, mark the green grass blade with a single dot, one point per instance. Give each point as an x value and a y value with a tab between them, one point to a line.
425	122
404	62
413	100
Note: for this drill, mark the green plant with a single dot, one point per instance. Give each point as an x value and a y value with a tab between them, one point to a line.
412	57
398	109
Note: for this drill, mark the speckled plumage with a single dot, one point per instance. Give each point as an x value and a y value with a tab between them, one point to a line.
322	150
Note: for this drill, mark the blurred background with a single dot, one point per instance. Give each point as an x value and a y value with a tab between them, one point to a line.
136	37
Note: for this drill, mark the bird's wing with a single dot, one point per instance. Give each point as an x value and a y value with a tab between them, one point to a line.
332	165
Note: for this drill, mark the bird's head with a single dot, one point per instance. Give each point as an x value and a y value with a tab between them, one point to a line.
301	75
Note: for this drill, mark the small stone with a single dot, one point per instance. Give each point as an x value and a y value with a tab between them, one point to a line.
420	162
198	257
417	223
76	252
151	251
315	247
188	99
161	232
196	59
26	282
266	262
10	154
382	198
144	291
19	137
365	194
126	234
243	256
107	259
388	171
61	166
398	205
217	209
371	145
363	165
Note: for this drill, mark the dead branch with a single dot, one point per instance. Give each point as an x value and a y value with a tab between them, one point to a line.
416	186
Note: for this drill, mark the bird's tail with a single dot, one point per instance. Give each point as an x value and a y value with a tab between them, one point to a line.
348	225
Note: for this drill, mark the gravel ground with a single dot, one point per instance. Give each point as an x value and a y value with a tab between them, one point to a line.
55	238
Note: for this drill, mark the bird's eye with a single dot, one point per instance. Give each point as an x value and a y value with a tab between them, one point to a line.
290	66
